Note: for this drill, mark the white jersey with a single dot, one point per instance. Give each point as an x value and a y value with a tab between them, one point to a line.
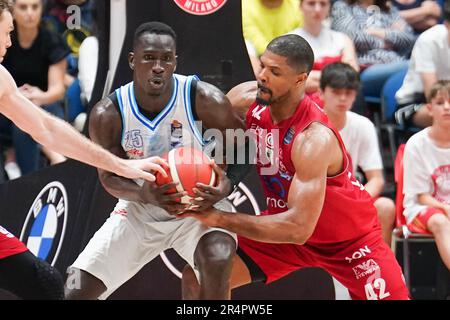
173	127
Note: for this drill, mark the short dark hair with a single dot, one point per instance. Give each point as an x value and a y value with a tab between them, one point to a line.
339	75
296	49
5	5
446	11
154	27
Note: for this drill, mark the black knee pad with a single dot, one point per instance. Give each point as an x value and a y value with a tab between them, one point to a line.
50	281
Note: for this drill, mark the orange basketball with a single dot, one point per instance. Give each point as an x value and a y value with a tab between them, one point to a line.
187	166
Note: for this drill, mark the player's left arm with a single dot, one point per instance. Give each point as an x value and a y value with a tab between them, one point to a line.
61	137
315	154
214	110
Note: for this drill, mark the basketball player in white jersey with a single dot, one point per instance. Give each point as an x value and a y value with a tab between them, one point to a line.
20	271
150	116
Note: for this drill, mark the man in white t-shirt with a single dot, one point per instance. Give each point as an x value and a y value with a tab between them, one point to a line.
429	63
426	179
339	85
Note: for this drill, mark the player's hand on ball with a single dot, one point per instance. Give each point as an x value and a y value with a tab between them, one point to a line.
159	196
143	168
206	196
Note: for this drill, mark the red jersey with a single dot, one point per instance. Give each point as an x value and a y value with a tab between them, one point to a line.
348	211
9	245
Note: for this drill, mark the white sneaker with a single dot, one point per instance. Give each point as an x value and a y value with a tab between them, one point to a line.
12	170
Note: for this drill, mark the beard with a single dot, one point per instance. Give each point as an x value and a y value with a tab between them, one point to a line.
262	101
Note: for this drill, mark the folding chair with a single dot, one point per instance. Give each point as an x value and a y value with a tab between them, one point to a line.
403	233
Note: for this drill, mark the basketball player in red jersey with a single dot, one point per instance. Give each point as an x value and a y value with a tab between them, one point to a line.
318	214
20	271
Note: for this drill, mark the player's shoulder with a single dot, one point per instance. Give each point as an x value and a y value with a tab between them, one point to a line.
244	91
209	94
316	136
315	147
104	110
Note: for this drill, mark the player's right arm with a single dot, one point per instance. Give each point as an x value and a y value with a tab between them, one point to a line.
316	154
60	136
105	128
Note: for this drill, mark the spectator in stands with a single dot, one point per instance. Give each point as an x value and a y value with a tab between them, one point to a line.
328	45
79	92
383	40
427	173
263	20
429	63
339	85
56	15
419	14
37	61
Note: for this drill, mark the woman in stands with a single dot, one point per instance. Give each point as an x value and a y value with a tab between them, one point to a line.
37	61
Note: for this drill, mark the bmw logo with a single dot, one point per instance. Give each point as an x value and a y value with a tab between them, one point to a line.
45	225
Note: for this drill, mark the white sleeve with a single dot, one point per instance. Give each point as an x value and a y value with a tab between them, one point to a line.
423	56
416	179
87	66
369	151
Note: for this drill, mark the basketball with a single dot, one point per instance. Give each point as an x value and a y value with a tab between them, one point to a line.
187	166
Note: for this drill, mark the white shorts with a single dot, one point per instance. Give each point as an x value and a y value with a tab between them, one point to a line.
134	235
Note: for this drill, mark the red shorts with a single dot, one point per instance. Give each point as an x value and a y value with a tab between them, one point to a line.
367	267
419	224
9	245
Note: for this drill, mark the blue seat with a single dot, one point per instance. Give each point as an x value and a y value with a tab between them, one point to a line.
390	88
388	109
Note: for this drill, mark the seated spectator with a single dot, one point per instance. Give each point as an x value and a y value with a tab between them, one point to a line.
58	17
37	61
426	173
383	40
263	20
328	45
419	14
429	63
339	85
